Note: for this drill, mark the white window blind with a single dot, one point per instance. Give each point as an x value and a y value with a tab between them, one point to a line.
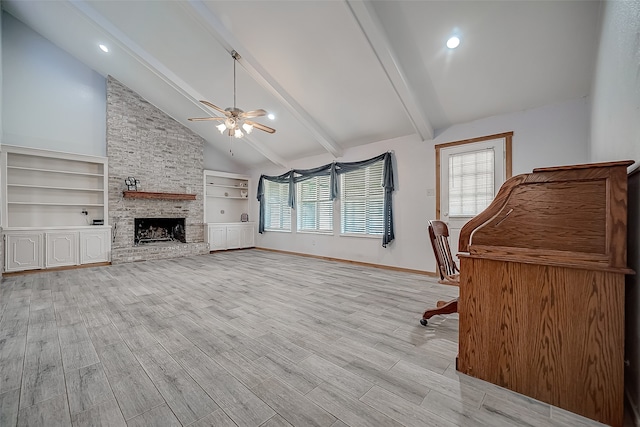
277	213
362	201
471	182
315	208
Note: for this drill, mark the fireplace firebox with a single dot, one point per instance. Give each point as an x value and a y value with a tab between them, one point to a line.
156	230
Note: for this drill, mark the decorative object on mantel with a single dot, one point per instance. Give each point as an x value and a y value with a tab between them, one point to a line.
157	196
132	183
244	193
244	217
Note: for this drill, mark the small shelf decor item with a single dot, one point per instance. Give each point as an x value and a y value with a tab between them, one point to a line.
244	193
132	183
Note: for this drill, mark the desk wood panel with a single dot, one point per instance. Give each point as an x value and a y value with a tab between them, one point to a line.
549	332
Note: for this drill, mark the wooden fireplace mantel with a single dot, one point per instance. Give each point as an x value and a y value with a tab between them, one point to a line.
157	196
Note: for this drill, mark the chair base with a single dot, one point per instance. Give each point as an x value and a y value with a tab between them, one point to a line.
442	307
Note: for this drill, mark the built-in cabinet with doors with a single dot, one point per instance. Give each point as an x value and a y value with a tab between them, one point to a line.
54	209
226	209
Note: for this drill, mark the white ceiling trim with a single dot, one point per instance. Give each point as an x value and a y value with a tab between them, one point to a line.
162	71
372	29
216	28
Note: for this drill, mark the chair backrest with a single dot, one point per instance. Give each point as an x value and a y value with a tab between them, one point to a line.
439	235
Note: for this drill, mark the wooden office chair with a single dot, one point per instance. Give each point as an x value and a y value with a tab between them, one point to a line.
449	272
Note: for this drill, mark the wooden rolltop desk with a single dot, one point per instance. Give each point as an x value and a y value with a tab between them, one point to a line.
542	288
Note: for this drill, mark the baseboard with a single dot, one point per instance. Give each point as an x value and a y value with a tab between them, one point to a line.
348	261
46	270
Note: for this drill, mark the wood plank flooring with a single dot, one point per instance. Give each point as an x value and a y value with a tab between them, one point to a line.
240	338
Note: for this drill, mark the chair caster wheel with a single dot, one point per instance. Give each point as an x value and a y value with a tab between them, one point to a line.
423	322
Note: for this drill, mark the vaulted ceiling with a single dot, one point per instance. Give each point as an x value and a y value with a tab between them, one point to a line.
335	74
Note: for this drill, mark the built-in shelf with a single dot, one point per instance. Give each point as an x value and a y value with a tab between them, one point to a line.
228	186
157	196
54	171
46	187
227	197
55	204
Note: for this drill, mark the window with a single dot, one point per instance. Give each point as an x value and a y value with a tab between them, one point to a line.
277	213
362	201
469	174
315	207
471	183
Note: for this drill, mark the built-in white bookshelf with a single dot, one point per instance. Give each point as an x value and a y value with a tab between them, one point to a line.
49	189
226	200
50	201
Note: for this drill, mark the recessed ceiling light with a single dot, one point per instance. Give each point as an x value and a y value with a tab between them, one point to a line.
453	42
103	48
271	116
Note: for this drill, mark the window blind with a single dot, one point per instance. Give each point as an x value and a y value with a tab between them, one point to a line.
277	212
471	182
362	201
315	207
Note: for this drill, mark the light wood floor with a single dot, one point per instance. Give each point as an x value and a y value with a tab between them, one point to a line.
247	338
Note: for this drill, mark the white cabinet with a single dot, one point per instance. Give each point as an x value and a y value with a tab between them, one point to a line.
217	237
231	236
248	236
23	251
49	201
48	248
95	246
61	248
226	200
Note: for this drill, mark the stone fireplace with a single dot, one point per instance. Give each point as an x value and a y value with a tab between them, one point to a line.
143	142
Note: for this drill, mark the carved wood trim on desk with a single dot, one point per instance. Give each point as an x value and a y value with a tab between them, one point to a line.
157	196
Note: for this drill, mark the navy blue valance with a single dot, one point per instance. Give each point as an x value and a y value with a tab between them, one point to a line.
333	170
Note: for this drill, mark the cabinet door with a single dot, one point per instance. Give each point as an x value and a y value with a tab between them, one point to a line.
217	237
234	236
248	236
61	248
94	246
23	251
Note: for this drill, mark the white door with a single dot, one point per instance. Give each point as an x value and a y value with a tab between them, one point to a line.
470	176
23	251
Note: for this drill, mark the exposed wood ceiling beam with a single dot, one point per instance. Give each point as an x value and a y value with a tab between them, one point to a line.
375	34
217	29
159	69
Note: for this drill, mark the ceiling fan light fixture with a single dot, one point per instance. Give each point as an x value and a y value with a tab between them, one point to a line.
247	128
222	127
238	133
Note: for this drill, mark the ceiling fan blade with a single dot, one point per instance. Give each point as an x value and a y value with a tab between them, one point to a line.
199	119
215	107
260	126
253	113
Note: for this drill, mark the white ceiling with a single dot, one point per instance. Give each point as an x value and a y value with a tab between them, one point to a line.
336	74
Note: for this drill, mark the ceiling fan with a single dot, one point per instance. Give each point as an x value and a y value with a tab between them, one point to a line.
235	120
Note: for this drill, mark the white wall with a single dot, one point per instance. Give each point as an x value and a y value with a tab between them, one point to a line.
50	100
546	136
615	118
615	135
552	135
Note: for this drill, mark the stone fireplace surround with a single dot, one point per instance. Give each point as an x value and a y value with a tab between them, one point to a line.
145	143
